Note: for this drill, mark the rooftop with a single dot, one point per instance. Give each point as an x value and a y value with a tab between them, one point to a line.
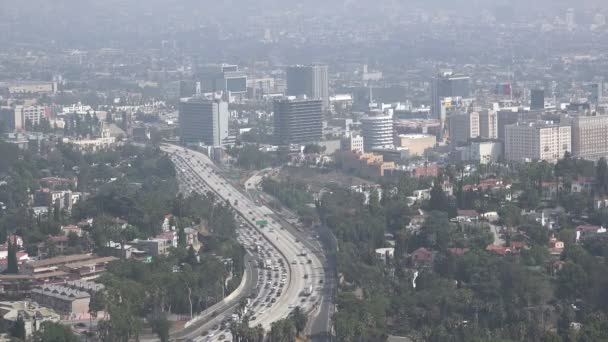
60	260
61	291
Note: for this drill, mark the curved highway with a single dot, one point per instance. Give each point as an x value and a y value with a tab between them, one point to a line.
293	273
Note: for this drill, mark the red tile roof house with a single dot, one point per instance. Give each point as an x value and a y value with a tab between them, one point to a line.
556	247
586	231
515	248
422	257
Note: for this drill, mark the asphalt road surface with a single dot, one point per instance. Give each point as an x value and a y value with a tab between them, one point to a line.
292	268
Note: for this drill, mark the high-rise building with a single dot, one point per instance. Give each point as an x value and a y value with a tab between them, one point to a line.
596	92
505	118
231	80
203	121
9	118
447	85
488	124
310	80
570	19
537	141
537	99
463	127
589	138
352	143
298	121
377	131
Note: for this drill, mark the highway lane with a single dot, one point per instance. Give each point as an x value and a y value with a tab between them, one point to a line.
300	273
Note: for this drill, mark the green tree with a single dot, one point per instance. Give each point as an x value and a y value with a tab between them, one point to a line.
54	332
12	265
439	200
299	319
160	326
18	329
181	237
601	175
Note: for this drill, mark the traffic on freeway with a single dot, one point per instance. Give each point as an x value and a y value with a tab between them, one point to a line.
290	274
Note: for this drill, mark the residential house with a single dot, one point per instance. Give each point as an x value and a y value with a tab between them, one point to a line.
385	254
556	247
422	258
588	231
582	184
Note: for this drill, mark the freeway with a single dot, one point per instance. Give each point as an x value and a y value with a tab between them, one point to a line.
300	269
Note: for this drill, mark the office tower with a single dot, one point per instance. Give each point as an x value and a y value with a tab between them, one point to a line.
463	127
589	137
447	85
9	118
230	80
377	131
505	118
352	143
537	99
187	88
298	121
570	19
596	92
310	80
537	141
488	124
203	121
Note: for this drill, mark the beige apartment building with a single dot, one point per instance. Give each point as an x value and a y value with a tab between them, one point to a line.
463	127
417	143
590	137
488	124
537	141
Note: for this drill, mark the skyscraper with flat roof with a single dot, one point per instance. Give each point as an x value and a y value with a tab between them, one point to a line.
463	127
537	99
447	85
203	121
488	124
310	80
298	121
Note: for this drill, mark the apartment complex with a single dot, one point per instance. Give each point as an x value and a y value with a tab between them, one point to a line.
297	121
590	137
463	127
537	141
